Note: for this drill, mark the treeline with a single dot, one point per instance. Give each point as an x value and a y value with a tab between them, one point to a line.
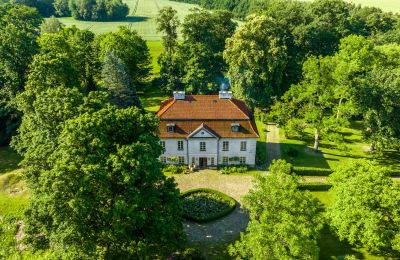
306	58
88	10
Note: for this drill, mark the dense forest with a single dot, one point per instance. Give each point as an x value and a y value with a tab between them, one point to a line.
69	106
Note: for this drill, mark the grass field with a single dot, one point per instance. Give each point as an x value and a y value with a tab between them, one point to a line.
143	20
385	5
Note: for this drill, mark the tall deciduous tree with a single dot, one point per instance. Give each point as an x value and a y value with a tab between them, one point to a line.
19	29
104	195
284	221
256	55
204	35
170	67
130	48
117	82
365	209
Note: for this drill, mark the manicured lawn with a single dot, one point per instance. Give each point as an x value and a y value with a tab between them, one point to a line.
151	98
331	154
156	48
143	20
261	149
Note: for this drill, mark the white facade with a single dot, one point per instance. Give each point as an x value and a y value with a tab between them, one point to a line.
237	151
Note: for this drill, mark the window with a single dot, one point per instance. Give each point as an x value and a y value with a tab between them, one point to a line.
170	128
243	146
181	159
162	143
242	160
225	160
212	160
235	127
163	159
202	146
225	146
180	145
193	160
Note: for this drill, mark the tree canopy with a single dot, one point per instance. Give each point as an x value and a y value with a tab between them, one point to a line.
284	221
365	209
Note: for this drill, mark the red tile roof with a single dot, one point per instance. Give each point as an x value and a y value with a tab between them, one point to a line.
216	114
203	107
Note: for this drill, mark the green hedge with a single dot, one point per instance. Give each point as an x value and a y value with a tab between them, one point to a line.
234	169
214	216
315	186
312	171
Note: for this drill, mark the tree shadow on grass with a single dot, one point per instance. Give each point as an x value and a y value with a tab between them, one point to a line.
301	156
332	248
9	160
134	19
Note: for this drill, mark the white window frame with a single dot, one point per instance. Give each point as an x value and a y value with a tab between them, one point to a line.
225	146
225	160
243	146
242	160
212	161
163	159
180	146
181	159
162	143
203	147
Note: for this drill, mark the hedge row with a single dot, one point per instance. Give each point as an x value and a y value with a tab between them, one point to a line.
231	201
315	186
312	171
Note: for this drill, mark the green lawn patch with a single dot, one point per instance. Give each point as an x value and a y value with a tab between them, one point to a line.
299	152
151	98
261	148
155	48
9	160
204	205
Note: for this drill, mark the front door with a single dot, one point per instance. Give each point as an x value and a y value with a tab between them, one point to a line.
203	161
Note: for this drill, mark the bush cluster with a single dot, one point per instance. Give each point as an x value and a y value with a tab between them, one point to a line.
234	169
175	169
312	171
203	205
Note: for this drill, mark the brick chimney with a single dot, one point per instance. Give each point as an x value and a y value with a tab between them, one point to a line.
179	95
224	94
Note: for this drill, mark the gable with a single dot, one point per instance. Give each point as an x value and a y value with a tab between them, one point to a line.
202	134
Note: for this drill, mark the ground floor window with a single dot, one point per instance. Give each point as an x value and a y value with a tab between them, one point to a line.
163	159
181	160
212	160
225	160
193	160
242	160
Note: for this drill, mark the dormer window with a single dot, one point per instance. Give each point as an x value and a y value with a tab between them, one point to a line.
235	127
170	128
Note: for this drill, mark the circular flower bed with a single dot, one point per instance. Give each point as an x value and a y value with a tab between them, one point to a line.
203	205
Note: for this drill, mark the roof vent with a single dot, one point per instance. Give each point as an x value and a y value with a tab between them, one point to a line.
223	94
179	95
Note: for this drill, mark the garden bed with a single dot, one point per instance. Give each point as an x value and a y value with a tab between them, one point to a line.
204	205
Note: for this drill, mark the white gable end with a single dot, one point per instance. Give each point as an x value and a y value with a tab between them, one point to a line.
202	134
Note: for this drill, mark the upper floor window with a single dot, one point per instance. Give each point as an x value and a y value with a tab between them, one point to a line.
243	146
180	145
162	143
225	146
235	127
203	146
170	128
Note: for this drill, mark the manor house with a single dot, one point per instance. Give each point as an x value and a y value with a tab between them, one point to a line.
207	130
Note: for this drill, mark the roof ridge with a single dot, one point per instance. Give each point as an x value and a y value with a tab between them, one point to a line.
165	108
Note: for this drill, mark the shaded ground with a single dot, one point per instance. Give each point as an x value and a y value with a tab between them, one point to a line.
228	228
273	145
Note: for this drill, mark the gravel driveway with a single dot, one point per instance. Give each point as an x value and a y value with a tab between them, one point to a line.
222	230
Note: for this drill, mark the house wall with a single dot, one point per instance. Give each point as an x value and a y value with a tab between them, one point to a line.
213	150
234	150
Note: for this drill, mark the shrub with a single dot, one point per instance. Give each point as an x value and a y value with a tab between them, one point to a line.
175	169
315	186
203	205
191	254
234	169
312	171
